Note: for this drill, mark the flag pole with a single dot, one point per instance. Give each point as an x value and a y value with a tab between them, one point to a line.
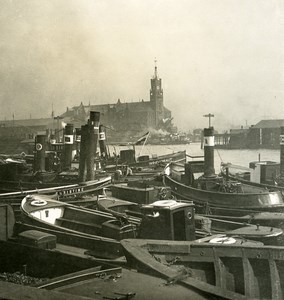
144	144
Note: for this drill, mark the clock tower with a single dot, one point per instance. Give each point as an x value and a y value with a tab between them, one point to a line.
156	97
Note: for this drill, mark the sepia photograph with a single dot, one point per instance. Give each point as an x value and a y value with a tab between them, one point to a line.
142	149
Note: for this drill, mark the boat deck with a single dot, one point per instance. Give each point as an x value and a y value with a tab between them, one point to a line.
99	282
15	291
128	284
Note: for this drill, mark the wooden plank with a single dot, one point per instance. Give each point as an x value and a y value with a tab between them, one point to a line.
220	270
249	278
15	291
275	280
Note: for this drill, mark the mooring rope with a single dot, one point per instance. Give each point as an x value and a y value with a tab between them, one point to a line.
220	156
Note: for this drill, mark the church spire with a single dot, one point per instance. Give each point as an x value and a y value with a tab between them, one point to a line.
156	73
156	97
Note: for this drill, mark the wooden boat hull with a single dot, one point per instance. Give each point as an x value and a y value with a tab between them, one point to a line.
102	229
97	247
270	219
148	169
260	185
162	160
204	200
62	192
205	225
236	271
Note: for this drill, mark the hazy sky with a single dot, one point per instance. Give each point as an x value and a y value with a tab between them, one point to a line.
220	56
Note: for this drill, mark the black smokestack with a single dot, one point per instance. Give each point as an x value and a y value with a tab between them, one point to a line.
68	145
102	142
40	147
282	151
83	152
209	170
91	147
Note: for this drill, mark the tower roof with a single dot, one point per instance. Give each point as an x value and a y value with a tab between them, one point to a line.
156	72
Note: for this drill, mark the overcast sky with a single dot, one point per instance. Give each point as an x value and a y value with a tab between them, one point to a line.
219	56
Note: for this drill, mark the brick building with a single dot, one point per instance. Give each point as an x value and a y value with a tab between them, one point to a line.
131	117
265	134
128	119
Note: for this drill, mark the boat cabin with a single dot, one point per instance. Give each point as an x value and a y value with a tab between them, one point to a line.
265	172
168	220
141	192
11	169
187	176
7	221
127	156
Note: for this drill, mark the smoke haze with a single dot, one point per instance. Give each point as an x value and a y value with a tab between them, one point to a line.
219	56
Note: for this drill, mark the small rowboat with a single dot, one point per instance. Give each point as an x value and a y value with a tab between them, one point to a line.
228	270
42	211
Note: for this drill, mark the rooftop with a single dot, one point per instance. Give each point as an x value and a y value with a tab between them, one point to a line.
277	123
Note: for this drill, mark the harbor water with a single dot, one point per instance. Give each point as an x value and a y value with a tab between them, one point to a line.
240	157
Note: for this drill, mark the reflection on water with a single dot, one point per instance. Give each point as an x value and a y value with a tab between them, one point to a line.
239	157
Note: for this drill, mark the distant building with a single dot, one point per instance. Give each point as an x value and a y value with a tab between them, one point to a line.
26	128
265	134
235	139
18	135
197	135
135	117
127	119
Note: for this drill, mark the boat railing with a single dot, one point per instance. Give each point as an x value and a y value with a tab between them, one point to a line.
96	272
194	156
232	166
178	164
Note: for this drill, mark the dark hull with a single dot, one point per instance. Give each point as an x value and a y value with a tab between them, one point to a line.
23	184
261	185
65	274
270	219
238	271
95	230
266	235
66	193
98	247
62	190
162	160
205	200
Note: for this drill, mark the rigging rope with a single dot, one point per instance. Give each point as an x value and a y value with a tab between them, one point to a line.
219	156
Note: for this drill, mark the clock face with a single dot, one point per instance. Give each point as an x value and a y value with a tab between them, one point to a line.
158	87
